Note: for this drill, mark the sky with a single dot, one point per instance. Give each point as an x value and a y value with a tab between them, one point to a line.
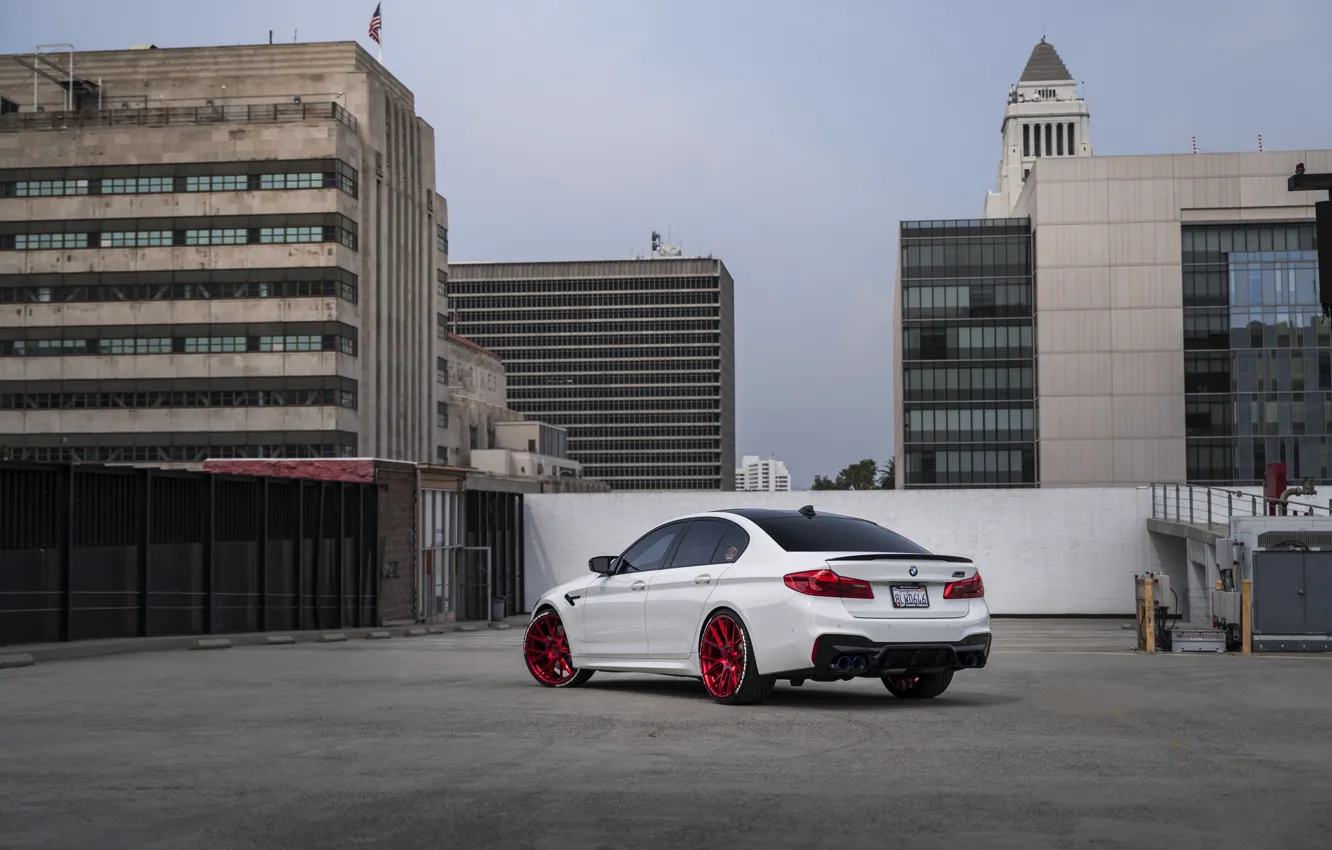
786	138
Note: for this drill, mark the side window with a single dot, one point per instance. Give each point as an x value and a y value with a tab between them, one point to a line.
699	543
650	552
732	545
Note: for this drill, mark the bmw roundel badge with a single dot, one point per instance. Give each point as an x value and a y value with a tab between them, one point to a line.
913	571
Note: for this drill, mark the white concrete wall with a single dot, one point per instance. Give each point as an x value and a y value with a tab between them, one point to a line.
1065	551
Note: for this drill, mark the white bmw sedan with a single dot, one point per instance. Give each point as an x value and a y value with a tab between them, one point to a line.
745	598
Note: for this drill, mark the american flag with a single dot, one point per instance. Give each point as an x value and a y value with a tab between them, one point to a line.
376	21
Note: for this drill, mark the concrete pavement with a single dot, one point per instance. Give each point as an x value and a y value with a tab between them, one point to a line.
446	742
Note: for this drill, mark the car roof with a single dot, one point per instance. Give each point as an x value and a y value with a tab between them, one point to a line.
772	513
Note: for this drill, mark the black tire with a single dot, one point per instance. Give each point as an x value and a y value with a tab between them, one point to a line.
928	686
769	685
544	625
752	687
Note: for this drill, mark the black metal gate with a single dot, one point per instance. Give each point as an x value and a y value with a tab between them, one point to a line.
100	552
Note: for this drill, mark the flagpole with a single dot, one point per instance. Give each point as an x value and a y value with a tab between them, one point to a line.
380	42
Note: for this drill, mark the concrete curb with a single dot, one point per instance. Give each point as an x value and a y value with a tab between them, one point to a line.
281	640
466	627
211	643
378	636
416	632
435	630
21	659
499	627
332	637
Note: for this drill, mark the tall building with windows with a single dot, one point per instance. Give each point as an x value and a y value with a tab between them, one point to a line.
1167	323
759	475
634	358
217	252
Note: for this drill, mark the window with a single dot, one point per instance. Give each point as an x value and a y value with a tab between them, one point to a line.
732	545
700	543
215	344
1070	140
441	371
137	239
441	414
471	436
1059	139
831	533
269	235
217	183
1026	140
442	282
441	326
442	238
650	552
296	181
1049	132
441	453
1026	172
49	241
137	185
1037	134
44	188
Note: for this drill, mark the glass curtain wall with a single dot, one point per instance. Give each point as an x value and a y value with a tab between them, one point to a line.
1257	365
969	353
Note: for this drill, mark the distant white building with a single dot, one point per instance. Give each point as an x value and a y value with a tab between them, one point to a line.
759	474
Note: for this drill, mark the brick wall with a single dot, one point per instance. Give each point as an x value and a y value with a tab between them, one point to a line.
397	545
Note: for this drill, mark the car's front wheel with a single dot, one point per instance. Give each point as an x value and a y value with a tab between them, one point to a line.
546	651
927	686
729	671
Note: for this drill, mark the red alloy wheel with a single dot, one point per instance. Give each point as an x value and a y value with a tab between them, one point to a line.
723	656
546	649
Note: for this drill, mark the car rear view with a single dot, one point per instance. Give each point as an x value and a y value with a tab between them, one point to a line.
869	602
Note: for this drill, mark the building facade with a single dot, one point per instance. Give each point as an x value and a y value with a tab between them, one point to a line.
756	474
217	252
967	353
1175	327
634	358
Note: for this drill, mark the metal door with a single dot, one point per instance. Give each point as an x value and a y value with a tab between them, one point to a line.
475	583
1278	593
1318	592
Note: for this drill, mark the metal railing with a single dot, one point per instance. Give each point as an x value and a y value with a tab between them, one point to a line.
1200	505
165	116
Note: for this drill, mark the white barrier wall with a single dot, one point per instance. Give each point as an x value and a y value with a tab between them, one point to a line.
1059	551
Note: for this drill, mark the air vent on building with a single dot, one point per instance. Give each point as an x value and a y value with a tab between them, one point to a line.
1284	539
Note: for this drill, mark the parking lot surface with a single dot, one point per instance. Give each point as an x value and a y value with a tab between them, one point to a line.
1065	740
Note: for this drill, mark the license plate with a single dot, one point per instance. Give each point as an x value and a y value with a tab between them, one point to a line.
910	596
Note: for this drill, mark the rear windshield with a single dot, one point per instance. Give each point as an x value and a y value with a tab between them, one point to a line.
835	534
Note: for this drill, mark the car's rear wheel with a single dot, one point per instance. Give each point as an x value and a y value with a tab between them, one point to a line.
546	651
727	659
926	686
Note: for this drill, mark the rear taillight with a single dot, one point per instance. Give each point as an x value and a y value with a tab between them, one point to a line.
967	588
825	582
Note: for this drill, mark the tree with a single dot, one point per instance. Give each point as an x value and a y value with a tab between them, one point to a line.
861	475
888	475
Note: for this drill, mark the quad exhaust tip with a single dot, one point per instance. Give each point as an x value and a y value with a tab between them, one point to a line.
849	663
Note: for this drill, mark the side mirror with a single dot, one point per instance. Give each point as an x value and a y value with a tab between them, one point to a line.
604	564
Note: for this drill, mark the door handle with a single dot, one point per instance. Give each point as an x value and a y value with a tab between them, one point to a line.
638	585
702	579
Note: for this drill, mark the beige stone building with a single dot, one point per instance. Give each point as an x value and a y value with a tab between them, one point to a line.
218	252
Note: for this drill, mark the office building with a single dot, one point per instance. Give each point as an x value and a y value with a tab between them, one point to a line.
634	358
216	253
756	474
1131	319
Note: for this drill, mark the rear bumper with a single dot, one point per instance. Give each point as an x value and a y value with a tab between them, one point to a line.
867	658
804	635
